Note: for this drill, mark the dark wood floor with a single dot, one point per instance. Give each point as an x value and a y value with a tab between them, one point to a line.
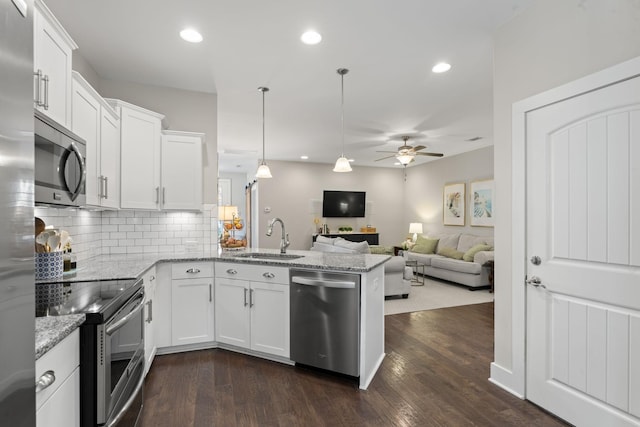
435	374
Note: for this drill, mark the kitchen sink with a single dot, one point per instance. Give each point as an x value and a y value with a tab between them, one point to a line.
263	255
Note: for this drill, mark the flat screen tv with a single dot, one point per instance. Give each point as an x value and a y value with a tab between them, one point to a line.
343	204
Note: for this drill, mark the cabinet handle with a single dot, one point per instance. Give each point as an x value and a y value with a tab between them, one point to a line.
245	297
45	380
268	275
38	75
149	311
46	92
250	297
231	271
157	195
152	278
193	270
106	187
163	195
210	293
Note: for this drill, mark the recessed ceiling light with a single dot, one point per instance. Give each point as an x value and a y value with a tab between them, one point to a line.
311	37
441	67
191	35
304	157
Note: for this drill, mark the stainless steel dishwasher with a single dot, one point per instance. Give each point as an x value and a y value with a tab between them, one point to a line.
325	320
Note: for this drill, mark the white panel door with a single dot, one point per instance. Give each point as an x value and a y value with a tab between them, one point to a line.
192	311
270	318
181	170
233	325
110	158
583	222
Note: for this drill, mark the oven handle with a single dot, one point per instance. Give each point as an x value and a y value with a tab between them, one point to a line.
126	406
120	323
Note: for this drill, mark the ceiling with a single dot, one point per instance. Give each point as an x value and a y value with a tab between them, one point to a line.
389	48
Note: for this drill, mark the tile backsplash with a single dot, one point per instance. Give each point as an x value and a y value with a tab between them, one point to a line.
96	233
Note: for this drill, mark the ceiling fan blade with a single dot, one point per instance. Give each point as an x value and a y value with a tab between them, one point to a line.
430	154
419	147
394	152
384	158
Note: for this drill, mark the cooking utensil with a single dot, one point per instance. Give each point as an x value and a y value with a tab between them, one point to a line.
64	238
54	243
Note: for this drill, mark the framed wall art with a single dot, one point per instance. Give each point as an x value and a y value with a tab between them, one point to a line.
481	209
453	204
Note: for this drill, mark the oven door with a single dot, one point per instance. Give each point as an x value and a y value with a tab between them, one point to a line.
120	364
59	173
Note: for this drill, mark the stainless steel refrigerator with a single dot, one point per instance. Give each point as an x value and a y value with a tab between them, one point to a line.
17	305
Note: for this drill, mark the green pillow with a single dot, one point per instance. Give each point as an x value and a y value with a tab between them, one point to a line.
384	250
425	246
450	253
468	256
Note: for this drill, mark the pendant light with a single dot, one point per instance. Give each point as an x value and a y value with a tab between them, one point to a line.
342	164
263	169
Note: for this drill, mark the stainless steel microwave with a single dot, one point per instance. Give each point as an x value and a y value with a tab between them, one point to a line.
60	171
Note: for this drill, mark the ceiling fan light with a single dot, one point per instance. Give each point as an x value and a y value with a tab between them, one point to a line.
263	171
405	159
342	165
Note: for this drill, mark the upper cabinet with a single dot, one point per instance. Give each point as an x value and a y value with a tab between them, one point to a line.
139	156
93	119
53	49
181	170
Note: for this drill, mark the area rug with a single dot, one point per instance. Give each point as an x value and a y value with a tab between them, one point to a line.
435	294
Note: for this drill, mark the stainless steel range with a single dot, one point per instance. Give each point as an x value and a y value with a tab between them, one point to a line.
111	345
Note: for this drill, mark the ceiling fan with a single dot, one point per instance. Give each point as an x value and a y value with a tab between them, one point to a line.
406	153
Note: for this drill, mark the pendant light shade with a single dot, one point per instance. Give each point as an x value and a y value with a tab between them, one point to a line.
342	164
263	170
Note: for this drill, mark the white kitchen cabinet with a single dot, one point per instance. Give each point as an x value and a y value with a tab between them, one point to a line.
58	384
181	170
252	307
52	54
192	307
93	119
162	306
149	282
139	156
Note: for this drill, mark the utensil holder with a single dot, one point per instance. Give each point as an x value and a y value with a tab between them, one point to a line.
49	265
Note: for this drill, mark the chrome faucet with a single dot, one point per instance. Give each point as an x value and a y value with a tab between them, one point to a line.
284	242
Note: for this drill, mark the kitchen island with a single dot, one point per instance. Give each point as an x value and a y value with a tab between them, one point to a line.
369	267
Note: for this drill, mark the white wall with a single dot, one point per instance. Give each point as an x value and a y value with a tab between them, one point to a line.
294	194
549	44
425	184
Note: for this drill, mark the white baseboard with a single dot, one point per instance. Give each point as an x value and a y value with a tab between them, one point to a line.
504	379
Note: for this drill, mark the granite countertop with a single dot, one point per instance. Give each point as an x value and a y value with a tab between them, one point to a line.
131	266
51	330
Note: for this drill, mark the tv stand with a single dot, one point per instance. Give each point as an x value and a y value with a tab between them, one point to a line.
371	238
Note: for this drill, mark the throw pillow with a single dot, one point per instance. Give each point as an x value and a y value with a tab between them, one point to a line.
426	246
471	253
381	250
450	253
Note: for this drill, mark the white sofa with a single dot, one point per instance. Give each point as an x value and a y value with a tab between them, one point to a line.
443	262
397	276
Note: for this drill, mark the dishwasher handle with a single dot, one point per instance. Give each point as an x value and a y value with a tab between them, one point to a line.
326	283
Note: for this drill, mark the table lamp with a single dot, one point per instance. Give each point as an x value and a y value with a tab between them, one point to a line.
415	228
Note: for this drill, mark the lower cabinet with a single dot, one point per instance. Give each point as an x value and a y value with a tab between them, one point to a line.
252	307
149	282
192	305
58	384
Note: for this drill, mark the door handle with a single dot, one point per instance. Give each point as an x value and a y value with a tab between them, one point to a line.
245	297
106	187
46	92
536	282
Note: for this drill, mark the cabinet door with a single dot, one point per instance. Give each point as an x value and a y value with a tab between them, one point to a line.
109	158
62	409
149	333
181	171
85	121
52	56
162	306
270	318
140	160
232	312
192	311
